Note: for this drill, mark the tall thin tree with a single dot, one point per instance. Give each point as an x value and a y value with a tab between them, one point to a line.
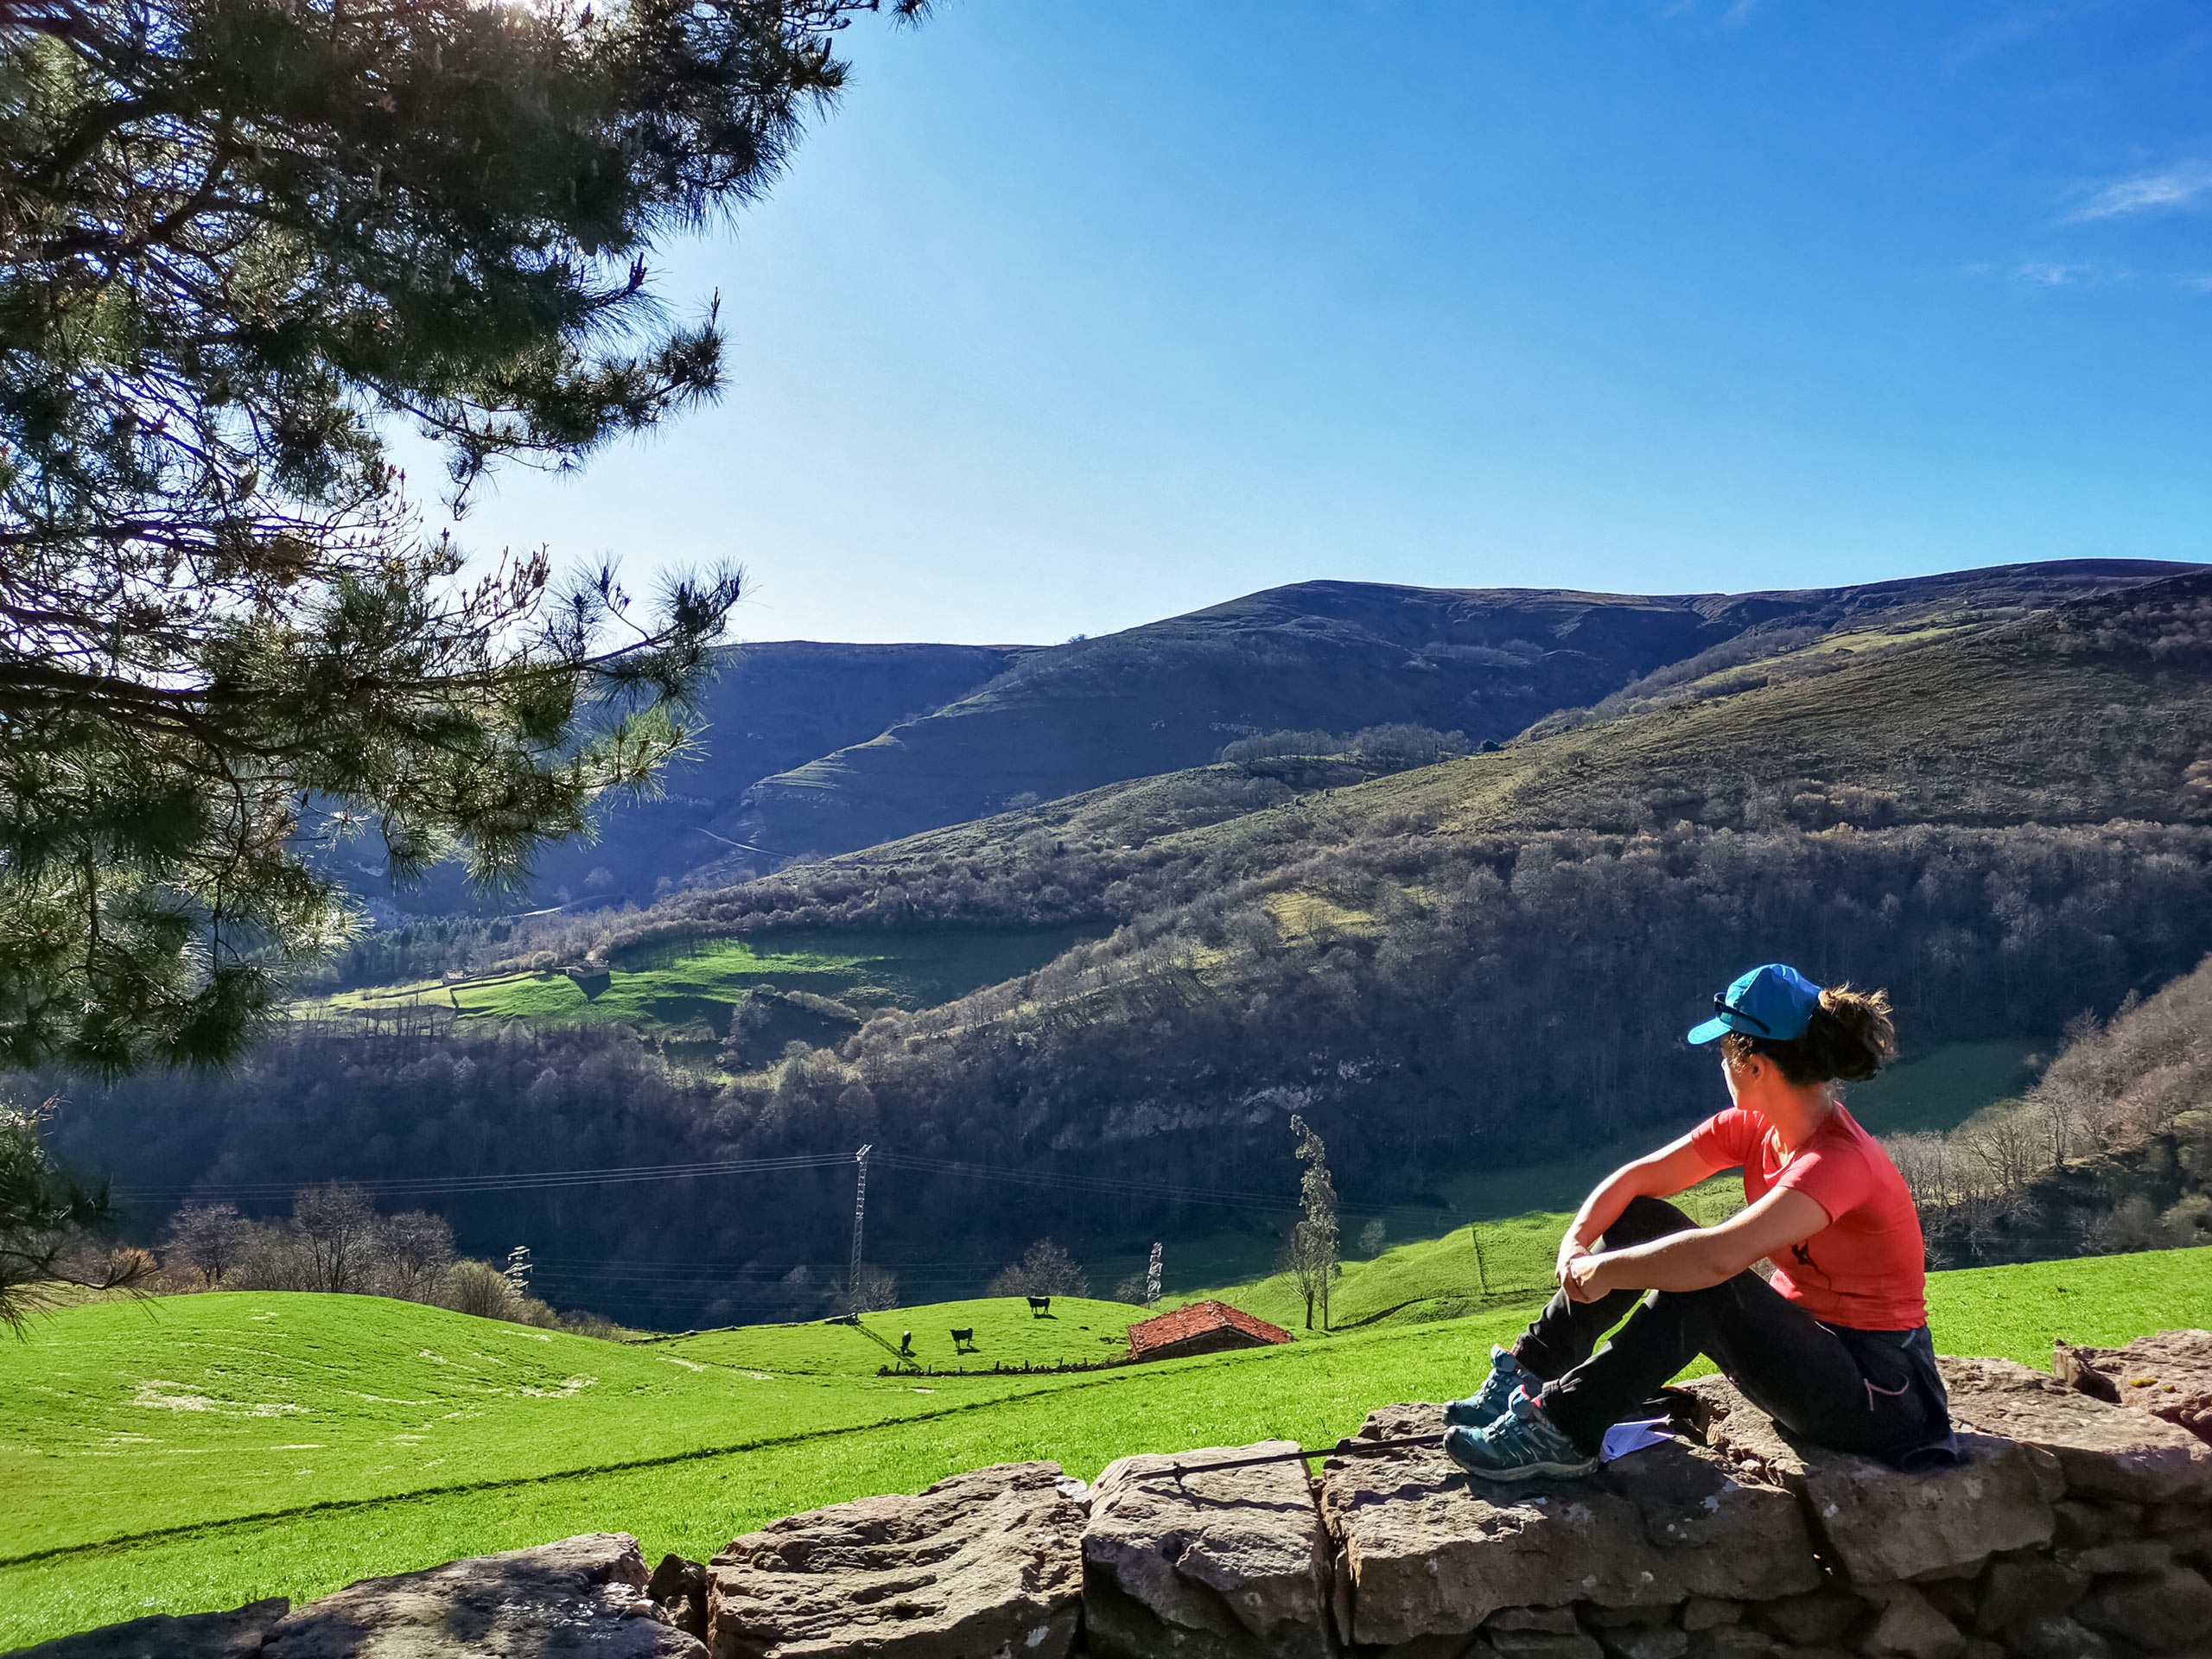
1315	1246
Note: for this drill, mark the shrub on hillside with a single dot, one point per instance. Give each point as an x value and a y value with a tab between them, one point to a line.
480	1289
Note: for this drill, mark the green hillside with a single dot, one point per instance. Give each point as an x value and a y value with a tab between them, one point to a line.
207	1450
131	1418
2086	713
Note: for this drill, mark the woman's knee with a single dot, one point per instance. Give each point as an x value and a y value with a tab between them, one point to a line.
1644	1220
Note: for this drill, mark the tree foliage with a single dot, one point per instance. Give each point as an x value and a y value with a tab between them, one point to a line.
46	1221
2119	1088
243	241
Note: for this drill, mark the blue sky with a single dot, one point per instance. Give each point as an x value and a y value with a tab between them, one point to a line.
1076	315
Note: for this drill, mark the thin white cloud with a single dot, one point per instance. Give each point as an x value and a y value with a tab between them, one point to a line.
2020	25
1735	14
2049	273
2177	188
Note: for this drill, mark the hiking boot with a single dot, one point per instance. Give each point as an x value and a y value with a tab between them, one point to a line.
1521	1444
1488	1402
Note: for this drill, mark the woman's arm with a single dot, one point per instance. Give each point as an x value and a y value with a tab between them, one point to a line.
1659	1174
1702	1256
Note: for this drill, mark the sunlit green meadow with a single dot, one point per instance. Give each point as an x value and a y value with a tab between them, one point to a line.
203	1451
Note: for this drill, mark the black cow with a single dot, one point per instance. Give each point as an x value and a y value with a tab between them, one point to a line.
1040	1306
964	1339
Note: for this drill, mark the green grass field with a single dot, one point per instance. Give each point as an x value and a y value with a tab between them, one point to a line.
1077	1330
202	1451
688	992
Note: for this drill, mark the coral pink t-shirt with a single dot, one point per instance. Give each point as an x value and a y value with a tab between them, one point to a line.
1868	1266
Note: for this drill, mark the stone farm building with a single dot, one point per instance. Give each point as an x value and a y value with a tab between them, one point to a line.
1201	1328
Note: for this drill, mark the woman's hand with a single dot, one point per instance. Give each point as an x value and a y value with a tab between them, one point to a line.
1579	1278
1570	1248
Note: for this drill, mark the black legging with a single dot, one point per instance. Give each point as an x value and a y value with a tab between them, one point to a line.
1853	1390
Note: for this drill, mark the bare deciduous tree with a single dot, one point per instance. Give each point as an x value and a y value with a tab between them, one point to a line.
1045	1269
336	1226
479	1289
877	1290
211	1239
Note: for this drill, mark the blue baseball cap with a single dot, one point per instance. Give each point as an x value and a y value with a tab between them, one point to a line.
1773	1000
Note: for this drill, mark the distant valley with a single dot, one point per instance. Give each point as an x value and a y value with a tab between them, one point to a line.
1991	791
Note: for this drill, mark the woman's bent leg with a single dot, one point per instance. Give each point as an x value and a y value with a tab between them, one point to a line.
1567	1332
1786	1361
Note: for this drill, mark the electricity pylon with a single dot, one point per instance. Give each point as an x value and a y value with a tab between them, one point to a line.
859	1219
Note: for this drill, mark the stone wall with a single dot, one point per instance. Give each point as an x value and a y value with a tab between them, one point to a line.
2078	1528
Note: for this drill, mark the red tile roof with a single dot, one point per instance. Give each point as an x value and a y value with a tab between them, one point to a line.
1196	1320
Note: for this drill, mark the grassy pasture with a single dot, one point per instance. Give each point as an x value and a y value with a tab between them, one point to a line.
135	1416
123	1500
1077	1330
687	992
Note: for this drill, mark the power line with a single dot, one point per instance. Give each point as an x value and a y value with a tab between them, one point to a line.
1105	1184
533	1180
555	1180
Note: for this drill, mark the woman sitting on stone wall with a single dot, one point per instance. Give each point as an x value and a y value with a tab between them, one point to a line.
1835	1347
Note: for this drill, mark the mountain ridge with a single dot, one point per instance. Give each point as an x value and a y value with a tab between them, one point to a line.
1329	654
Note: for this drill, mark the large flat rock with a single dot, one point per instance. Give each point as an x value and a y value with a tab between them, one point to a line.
1232	1565
1884	1525
2104	1451
581	1596
1423	1551
235	1634
985	1563
2167	1373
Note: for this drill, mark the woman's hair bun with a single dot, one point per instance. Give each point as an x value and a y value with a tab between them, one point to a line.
1851	1036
